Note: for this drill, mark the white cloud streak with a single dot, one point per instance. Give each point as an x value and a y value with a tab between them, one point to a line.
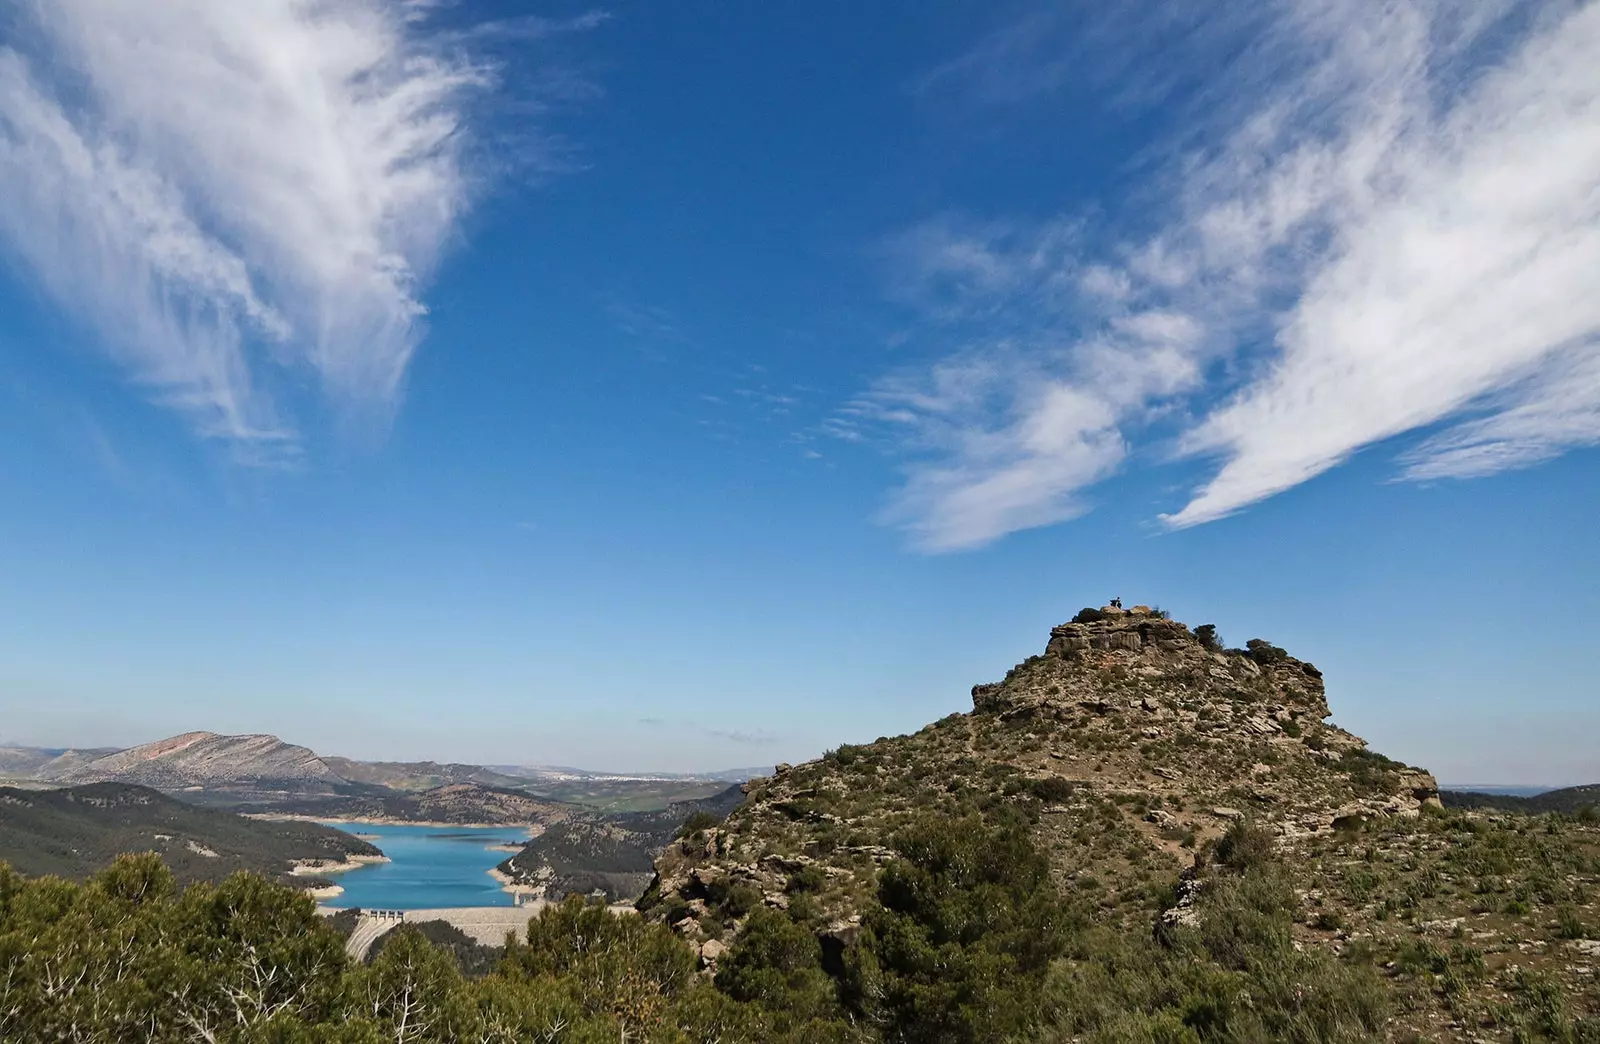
235	194
1400	232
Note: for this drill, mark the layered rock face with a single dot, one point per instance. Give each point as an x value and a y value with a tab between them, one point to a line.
205	759
1150	657
1130	735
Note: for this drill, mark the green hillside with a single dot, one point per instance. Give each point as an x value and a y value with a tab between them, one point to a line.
609	854
1571	800
75	831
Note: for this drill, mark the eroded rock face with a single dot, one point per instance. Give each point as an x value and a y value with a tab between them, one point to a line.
205	759
1135	655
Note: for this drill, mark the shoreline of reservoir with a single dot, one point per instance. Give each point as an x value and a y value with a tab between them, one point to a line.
423	866
533	830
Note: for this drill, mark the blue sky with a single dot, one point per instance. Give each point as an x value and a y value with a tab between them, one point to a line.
685	386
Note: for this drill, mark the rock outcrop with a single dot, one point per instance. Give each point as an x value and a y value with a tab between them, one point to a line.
1120	658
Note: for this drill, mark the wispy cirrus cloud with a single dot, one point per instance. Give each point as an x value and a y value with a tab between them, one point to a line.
1395	228
231	193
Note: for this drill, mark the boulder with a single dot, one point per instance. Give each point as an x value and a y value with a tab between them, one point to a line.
711	951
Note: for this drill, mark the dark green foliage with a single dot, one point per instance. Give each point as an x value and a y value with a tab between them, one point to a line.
1539	1012
473	958
1370	772
1052	789
738	900
75	831
1206	635
959	948
1236	977
1569	926
128	957
697	822
1264	652
623	967
344	922
778	965
806	879
1087	615
1579	802
613	854
1244	847
970	942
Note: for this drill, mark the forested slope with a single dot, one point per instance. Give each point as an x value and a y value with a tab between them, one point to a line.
75	831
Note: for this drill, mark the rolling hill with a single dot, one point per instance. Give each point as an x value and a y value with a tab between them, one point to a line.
74	831
1566	799
609	854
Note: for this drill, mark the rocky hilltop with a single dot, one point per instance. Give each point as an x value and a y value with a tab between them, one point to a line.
1134	738
203	760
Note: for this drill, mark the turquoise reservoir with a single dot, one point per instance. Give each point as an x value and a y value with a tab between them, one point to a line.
429	867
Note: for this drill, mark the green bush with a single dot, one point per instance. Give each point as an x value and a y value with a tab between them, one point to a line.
697	822
968	924
806	879
1052	790
1568	926
777	965
1264	652
1244	847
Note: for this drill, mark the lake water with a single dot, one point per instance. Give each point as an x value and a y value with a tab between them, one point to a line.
429	867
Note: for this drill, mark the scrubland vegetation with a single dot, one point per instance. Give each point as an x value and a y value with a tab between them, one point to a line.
966	940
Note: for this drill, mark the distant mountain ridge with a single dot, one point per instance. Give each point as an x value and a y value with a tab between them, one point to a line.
202	760
1565	799
259	762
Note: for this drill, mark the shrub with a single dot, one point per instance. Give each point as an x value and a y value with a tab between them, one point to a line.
697	822
738	900
1088	616
1244	847
1369	772
778	965
958	949
623	966
806	879
1052	790
1264	652
1206	635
